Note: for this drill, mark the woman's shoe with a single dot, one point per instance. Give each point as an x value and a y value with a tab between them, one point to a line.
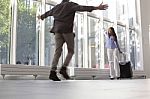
112	78
118	78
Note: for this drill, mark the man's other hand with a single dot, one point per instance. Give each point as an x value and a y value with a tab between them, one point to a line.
102	6
39	17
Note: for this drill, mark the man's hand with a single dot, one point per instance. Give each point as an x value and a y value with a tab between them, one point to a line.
39	17
102	6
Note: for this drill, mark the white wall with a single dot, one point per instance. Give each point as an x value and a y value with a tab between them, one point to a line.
145	22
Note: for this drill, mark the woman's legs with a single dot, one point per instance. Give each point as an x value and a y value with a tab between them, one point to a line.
111	62
116	63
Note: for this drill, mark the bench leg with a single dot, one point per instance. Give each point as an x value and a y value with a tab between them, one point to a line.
93	77
74	77
3	76
35	76
144	76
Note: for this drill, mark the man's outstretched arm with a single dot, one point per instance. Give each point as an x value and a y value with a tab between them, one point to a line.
90	8
45	15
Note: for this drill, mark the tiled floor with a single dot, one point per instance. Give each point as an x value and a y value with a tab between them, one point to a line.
75	89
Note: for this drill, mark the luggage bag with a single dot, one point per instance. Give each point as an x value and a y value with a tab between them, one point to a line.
125	70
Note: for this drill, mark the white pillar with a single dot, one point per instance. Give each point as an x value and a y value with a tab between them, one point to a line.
145	22
42	38
13	33
85	43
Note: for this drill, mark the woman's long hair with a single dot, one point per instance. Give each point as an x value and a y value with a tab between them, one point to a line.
112	33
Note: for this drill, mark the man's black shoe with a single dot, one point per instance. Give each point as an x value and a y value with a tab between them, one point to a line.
53	76
63	71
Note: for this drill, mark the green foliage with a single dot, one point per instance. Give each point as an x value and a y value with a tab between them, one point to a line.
26	29
26	18
4	22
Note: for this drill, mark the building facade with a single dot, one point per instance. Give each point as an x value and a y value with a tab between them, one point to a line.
25	39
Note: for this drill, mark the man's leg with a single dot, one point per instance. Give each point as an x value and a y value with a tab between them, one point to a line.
69	39
59	41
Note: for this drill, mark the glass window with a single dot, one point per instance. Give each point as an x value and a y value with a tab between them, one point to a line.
131	12
94	3
27	32
122	40
121	9
78	28
49	39
110	13
135	50
5	19
138	65
54	1
93	42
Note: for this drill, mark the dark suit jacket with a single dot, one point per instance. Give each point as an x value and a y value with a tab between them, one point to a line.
63	14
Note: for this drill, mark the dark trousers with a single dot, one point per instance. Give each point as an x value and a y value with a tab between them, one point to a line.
60	39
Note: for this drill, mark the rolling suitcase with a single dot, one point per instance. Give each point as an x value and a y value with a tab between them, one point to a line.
125	68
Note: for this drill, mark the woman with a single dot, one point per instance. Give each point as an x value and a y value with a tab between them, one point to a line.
112	50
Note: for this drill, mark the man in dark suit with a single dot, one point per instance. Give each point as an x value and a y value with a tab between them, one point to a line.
63	14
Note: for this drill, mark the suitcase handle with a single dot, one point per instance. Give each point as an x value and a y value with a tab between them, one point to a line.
122	63
122	57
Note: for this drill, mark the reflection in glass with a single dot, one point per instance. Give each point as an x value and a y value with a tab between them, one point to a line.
5	19
93	40
110	13
122	40
132	48
78	28
135	50
27	33
121	10
49	39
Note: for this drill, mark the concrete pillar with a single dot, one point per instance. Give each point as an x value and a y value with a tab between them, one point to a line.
145	23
